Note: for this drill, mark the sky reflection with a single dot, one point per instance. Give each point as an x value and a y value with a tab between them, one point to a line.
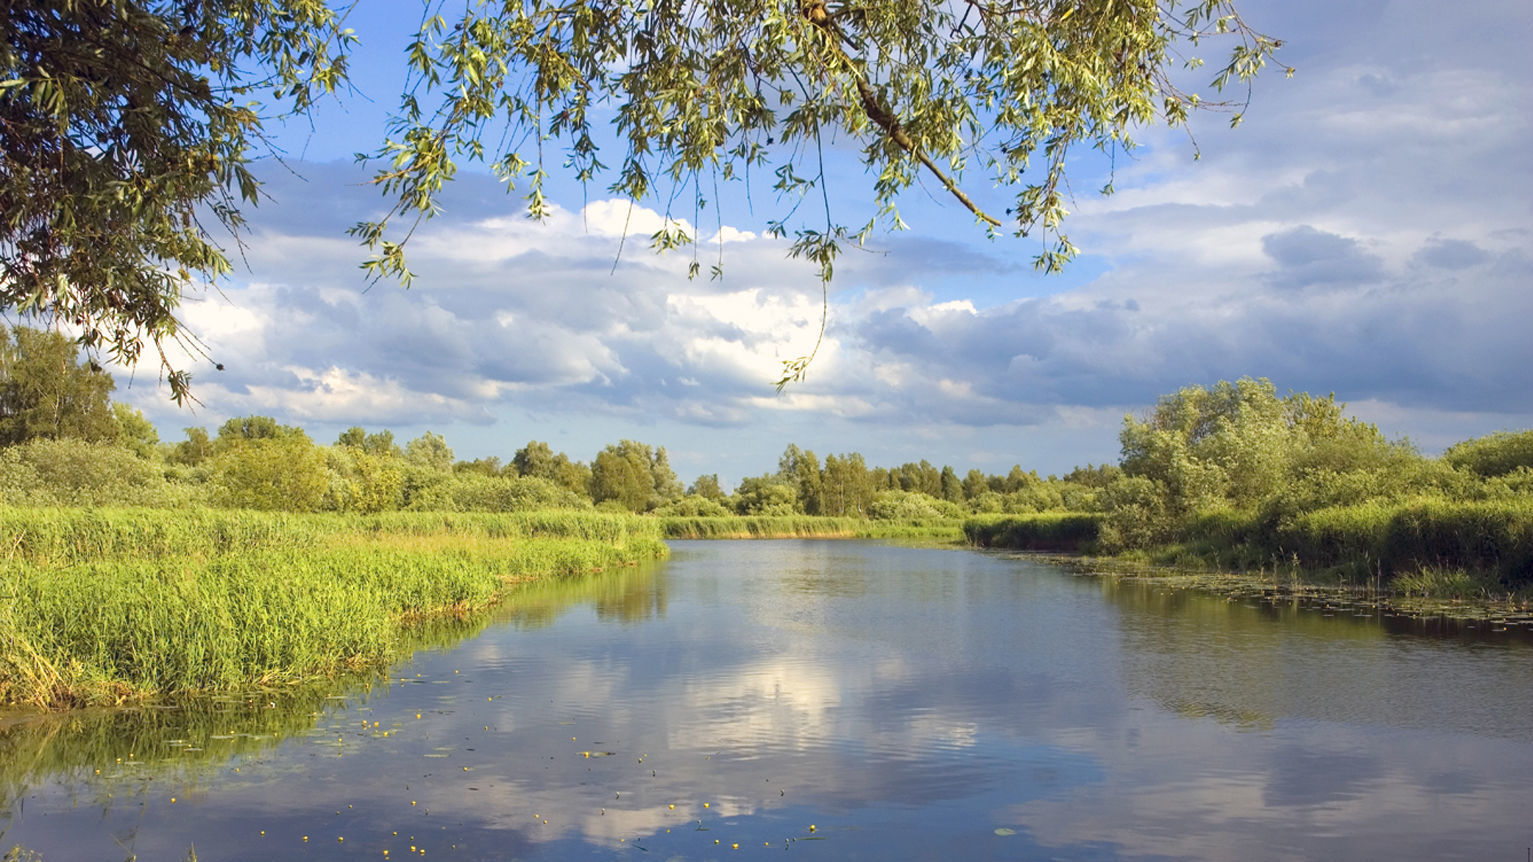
909	703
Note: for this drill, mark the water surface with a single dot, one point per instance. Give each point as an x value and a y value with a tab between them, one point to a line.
834	700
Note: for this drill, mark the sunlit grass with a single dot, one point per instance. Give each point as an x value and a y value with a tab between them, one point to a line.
1042	531
106	606
804	527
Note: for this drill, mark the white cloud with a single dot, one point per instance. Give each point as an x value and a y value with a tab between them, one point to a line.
1365	231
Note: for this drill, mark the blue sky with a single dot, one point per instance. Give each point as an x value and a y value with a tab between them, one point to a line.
1366	231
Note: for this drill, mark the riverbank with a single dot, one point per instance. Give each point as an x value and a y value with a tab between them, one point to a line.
807	527
110	606
1419	549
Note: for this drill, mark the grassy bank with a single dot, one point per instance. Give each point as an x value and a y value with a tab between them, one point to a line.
1074	532
1423	547
105	605
805	527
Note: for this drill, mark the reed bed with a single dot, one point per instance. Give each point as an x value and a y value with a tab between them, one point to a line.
107	606
1486	536
803	527
1075	532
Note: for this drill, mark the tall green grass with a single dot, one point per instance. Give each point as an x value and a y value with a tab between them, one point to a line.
1076	532
802	527
1488	536
102	606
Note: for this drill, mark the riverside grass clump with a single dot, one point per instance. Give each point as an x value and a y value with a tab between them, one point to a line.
107	605
1075	532
803	527
1487	537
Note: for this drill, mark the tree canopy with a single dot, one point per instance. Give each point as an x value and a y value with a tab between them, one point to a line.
127	126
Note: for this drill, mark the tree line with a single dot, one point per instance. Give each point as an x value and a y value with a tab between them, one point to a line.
65	442
1234	451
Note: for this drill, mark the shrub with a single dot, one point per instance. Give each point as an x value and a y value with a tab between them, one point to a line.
913	507
1494	454
45	472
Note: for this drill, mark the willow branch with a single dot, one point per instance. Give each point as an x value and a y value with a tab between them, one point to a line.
882	116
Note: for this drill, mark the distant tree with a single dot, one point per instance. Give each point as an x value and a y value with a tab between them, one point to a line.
1017	479
482	466
573	476
801	470
192	451
535	459
431	451
621	476
1494	454
46	392
952	488
243	429
281	472
882	478
360	481
974	484
135	433
667	486
380	444
848	486
766	495
636	476
707	487
1093	476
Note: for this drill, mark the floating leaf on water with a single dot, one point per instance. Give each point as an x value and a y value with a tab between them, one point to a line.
1005	831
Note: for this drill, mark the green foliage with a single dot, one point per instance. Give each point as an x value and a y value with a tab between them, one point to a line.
282	472
1136	514
769	496
633	476
694	506
135	433
430	451
46	392
362	482
125	129
800	526
847	486
1053	531
707	486
800	470
239	430
434	491
913	507
922	88
107	604
1241	446
1494	454
378	444
46	472
192	451
1397	538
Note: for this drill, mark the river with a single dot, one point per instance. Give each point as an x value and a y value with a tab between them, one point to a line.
831	700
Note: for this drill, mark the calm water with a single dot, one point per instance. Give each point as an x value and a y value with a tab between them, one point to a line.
831	700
